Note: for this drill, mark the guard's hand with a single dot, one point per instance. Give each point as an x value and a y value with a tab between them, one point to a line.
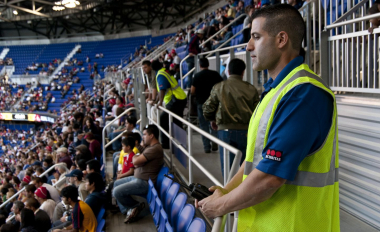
213	125
209	205
212	189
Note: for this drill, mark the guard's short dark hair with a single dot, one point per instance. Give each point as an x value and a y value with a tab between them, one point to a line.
70	192
203	63
152	129
129	141
97	179
147	62
283	17
156	65
236	67
132	120
94	165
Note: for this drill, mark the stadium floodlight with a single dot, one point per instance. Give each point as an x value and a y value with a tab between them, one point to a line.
15	12
70	3
58	8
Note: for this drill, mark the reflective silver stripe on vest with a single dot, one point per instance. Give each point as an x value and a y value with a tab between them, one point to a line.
259	144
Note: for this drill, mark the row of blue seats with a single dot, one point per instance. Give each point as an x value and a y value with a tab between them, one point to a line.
167	200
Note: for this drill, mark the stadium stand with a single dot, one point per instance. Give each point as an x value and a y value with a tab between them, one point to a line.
98	92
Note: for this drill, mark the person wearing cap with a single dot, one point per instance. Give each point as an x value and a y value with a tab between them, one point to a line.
54	194
76	179
47	205
63	157
193	49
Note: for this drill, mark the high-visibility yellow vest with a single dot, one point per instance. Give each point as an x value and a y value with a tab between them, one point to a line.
174	87
310	202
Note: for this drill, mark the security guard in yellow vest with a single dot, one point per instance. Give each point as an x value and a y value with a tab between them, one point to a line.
171	94
289	180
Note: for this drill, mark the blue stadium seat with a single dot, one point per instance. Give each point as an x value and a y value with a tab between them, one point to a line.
100	226
156	215
100	214
168	227
152	202
197	225
165	185
177	207
151	186
170	196
163	221
185	218
160	177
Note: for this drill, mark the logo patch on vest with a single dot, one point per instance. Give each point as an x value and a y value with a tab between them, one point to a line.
274	155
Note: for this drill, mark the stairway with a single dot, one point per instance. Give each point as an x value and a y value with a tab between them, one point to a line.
68	57
4	53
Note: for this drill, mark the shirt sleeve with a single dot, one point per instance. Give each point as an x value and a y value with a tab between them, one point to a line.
163	83
300	125
77	217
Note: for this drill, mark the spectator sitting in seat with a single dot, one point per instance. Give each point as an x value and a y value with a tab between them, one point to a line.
42	219
148	165
82	215
47	205
93	166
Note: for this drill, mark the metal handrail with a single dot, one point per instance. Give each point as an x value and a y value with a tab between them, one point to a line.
229	40
310	2
221	30
180	69
204	53
104	132
33	147
18	193
56	183
364	18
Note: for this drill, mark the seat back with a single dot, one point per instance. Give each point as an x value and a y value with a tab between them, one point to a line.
163	221
177	206
156	215
100	226
160	177
170	196
166	183
168	227
151	186
100	214
185	218
152	202
197	225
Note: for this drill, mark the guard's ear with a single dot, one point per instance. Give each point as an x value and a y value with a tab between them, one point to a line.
282	39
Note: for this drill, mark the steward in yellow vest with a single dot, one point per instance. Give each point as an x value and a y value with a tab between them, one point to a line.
289	179
171	94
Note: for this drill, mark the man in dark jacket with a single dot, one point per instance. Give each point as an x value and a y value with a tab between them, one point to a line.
230	107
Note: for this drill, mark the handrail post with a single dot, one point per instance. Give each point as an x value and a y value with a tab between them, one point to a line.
190	150
170	144
217	62
308	35
104	134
